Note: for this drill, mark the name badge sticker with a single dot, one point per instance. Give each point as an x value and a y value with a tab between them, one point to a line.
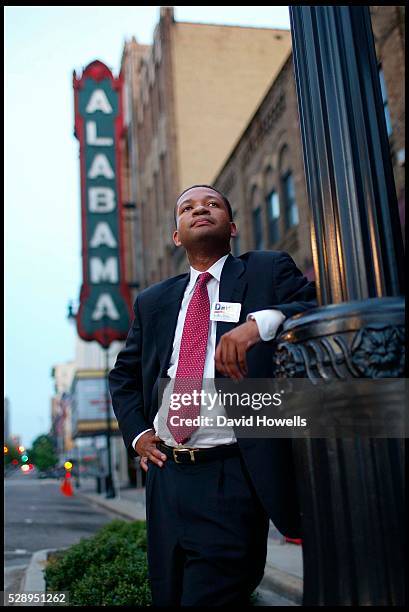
229	312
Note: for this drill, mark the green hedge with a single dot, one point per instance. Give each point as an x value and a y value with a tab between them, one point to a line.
109	569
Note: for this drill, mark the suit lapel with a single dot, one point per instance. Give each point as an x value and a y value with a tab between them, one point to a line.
166	318
232	289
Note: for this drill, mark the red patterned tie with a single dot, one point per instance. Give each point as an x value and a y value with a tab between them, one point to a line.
192	355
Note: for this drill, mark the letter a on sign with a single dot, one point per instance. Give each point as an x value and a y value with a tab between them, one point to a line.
103	236
101	167
98	101
105	307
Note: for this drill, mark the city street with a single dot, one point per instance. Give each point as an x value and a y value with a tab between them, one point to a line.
38	516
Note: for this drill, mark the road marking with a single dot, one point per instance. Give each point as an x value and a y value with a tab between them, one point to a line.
29	521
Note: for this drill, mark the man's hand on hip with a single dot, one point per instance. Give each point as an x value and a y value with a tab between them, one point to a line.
230	355
146	448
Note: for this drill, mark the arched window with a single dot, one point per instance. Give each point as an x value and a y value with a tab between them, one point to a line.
273	215
272	203
290	203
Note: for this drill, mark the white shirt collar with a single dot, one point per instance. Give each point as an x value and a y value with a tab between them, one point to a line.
215	270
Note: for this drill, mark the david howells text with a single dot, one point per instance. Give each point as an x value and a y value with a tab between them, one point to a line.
249	421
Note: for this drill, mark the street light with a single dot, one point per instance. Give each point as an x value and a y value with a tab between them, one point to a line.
71	316
110	489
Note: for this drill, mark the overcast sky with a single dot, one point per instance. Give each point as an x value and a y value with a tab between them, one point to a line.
43	45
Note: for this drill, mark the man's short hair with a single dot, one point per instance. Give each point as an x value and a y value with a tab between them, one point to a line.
225	200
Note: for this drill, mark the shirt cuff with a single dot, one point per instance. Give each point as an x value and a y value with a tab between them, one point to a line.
135	440
268	321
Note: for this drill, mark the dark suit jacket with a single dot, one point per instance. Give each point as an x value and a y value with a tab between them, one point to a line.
258	280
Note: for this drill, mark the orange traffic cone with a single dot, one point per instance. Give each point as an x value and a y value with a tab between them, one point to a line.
66	487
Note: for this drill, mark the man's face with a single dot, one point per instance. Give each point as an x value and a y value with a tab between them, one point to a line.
202	216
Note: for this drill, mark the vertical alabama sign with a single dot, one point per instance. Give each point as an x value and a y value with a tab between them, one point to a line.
105	311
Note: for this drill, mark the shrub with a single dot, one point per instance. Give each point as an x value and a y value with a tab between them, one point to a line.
109	569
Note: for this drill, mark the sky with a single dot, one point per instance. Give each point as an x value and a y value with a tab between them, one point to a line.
43	45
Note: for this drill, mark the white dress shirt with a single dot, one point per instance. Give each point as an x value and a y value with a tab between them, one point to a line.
268	321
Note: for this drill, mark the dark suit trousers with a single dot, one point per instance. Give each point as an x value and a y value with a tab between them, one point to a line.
207	533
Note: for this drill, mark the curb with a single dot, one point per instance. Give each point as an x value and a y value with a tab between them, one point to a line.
33	579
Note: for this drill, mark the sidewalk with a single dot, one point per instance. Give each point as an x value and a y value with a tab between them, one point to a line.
283	573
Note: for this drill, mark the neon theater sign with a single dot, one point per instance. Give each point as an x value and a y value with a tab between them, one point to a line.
105	309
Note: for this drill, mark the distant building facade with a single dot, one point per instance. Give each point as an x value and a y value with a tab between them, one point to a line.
196	89
61	430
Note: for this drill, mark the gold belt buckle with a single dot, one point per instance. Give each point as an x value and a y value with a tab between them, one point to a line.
191	452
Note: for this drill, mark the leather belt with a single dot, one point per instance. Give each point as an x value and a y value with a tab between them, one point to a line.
189	456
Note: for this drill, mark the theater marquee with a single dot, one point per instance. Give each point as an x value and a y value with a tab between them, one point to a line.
105	303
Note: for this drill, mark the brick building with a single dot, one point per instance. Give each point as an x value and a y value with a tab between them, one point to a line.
194	91
202	84
263	176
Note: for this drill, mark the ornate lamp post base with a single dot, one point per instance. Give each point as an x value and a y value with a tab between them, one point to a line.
351	490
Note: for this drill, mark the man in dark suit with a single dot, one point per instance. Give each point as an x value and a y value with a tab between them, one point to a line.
209	495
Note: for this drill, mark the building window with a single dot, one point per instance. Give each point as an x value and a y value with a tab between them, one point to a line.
258	229
291	208
273	213
385	102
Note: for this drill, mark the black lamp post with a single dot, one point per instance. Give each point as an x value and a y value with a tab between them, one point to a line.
351	490
71	316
